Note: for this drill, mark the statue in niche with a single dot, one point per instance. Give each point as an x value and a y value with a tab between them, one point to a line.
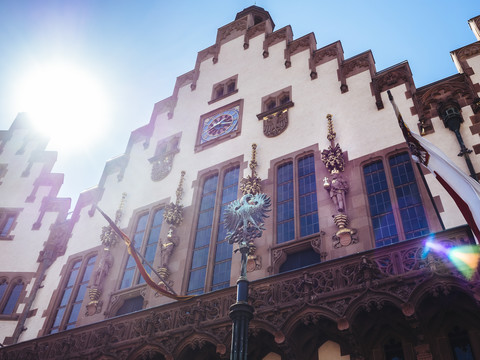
104	266
166	248
337	190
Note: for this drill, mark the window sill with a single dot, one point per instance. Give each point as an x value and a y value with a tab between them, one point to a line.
11	317
281	251
264	114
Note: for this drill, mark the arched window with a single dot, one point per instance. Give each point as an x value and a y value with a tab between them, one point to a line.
212	254
393	350
145	237
460	344
296	211
73	294
9	295
394	199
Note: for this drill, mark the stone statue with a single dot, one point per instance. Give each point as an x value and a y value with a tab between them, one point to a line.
337	190
104	266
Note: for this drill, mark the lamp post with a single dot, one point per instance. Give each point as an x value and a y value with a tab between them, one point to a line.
450	114
244	222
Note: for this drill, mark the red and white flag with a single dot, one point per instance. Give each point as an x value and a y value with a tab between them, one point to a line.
464	190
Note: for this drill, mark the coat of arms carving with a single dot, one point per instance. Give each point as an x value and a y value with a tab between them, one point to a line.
276	123
162	162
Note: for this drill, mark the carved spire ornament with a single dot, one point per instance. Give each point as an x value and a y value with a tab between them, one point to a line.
173	216
252	185
109	238
337	187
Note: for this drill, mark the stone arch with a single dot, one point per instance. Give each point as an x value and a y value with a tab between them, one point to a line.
443	313
371	300
374	326
147	352
437	285
262	341
200	346
308	329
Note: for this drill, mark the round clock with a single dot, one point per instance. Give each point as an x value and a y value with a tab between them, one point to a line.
219	124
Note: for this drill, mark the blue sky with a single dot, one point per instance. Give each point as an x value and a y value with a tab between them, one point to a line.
136	49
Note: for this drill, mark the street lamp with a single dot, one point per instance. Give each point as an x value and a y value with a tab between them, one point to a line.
244	222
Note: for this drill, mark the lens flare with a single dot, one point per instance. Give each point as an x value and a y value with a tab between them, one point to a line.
65	102
464	257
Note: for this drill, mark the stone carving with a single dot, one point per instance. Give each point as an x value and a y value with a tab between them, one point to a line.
276	123
337	188
162	162
252	183
335	289
173	214
108	237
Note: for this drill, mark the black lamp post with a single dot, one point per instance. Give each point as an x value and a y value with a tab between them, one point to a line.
450	114
244	222
241	312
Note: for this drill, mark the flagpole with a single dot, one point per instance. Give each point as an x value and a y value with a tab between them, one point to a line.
432	200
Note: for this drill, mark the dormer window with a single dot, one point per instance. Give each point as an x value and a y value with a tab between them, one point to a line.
277	101
271	104
231	86
224	89
285	98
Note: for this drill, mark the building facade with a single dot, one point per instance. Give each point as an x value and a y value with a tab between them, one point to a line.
341	270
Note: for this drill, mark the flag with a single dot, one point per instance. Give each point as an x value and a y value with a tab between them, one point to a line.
132	251
464	190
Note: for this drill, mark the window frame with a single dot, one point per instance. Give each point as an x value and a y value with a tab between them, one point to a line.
224	87
220	171
385	159
150	212
296	197
7	295
5	214
276	98
84	263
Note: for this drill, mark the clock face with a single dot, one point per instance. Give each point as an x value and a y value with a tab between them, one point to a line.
220	124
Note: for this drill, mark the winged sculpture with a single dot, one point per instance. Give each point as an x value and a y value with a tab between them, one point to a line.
244	218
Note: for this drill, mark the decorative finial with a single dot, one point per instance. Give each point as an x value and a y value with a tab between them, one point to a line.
331	134
108	237
173	214
252	183
179	192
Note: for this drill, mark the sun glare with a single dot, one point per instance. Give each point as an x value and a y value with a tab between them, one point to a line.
66	103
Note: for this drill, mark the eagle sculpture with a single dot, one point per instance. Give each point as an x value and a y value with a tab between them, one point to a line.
244	217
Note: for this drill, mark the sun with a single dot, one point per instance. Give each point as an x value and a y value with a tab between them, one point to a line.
66	103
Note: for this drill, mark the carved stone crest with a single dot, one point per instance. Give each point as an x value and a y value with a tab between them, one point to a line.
276	123
162	162
161	167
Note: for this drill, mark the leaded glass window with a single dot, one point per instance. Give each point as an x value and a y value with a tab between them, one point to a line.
409	201
396	211
212	254
145	237
303	203
9	296
74	292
